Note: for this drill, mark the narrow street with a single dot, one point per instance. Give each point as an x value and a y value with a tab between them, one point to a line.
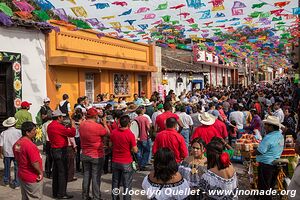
74	188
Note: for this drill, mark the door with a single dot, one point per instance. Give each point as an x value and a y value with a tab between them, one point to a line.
7	108
89	87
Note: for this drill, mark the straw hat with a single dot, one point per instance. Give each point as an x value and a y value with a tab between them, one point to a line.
273	120
147	103
11	121
206	119
132	108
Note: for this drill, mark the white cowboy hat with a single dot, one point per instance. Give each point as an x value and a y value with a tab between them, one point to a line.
206	119
11	121
273	120
147	103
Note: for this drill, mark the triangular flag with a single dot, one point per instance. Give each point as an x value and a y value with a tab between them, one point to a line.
166	18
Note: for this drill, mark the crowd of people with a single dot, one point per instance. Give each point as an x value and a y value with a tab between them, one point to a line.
183	141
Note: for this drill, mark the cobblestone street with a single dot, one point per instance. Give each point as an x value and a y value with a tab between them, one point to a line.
74	188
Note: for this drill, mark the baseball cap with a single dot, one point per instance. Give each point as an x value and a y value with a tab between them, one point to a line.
25	104
47	99
92	112
57	113
160	106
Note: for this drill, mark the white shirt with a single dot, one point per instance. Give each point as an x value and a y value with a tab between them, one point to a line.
83	109
44	129
154	116
238	117
279	113
7	139
186	120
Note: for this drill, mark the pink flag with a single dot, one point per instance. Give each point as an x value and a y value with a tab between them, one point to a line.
149	16
157	22
142	10
191	20
23	6
184	14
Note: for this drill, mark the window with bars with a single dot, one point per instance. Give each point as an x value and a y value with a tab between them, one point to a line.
121	84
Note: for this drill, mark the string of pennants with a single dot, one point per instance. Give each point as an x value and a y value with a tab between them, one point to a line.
252	28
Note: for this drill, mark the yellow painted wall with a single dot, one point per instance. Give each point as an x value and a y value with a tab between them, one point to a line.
69	85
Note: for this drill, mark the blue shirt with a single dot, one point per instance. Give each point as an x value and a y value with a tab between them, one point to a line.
271	148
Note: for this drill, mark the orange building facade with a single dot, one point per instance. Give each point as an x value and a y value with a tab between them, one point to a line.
79	63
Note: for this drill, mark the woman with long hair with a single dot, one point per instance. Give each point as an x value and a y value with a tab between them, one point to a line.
194	166
290	123
220	173
165	182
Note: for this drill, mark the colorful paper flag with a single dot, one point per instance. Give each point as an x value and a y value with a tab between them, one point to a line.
128	12
61	13
79	11
142	10
6	10
163	6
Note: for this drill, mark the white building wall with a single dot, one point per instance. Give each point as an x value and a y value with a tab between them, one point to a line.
156	77
31	45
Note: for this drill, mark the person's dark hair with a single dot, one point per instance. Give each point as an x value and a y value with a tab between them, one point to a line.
165	165
274	127
171	122
124	121
77	116
214	149
108	106
182	108
177	107
171	92
27	127
236	107
254	111
211	104
65	96
199	141
79	100
217	139
167	106
101	96
117	114
84	98
139	111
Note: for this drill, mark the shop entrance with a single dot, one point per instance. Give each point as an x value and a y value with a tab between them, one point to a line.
142	84
7	108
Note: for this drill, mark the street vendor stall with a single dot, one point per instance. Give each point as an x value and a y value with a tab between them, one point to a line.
286	164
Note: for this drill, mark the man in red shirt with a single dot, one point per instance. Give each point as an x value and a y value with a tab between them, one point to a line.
221	128
160	123
206	131
123	144
144	139
58	136
29	161
92	157
171	139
